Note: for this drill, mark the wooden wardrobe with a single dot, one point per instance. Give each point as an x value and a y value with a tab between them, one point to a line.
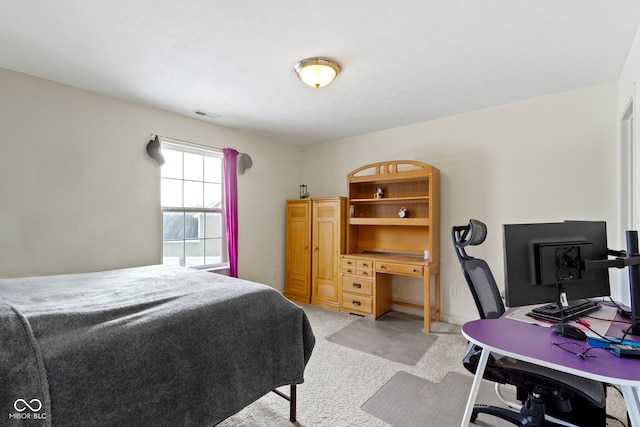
315	238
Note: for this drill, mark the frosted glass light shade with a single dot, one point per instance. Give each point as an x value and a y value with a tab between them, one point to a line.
317	72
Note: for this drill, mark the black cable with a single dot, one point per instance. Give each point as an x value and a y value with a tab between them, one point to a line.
586	325
626	332
581	354
615	303
622	396
590	316
611	417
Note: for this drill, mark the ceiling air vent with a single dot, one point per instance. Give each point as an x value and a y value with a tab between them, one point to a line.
206	114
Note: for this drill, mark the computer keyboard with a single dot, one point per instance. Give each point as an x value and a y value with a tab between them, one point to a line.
555	313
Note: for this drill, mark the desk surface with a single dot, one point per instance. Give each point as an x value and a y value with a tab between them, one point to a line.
387	257
533	343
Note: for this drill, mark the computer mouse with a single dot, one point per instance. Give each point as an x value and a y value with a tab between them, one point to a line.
569	331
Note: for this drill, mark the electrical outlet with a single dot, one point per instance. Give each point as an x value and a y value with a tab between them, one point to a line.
273	274
453	291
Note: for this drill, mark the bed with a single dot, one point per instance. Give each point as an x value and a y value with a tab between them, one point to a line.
154	345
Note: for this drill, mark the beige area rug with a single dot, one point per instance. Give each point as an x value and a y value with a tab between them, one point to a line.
395	336
407	400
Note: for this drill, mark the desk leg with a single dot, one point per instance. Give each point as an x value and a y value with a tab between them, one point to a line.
473	394
437	295
630	394
431	312
427	299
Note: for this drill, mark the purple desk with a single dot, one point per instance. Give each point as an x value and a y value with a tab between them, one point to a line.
532	343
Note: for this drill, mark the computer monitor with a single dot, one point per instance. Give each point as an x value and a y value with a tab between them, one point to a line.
542	260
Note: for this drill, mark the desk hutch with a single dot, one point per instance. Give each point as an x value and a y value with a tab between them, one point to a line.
344	259
393	229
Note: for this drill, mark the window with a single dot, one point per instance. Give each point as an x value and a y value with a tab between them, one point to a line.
193	229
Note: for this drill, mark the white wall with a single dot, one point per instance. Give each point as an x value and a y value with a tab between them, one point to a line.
628	114
629	76
544	159
79	193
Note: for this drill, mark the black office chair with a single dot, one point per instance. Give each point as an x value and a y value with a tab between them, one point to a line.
546	394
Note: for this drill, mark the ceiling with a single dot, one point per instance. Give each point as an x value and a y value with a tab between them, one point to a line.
402	62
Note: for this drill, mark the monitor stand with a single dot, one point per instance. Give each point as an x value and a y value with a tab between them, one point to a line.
634	282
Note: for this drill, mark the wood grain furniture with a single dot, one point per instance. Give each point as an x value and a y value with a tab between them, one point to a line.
298	250
315	238
153	345
394	229
533	344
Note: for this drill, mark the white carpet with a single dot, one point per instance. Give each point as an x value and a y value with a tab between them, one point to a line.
339	380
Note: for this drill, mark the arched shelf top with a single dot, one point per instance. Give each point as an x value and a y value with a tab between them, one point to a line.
390	171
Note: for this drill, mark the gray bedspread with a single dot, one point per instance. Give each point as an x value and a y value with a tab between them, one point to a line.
161	346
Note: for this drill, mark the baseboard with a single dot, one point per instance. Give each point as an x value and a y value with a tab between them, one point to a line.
417	312
408	310
454	320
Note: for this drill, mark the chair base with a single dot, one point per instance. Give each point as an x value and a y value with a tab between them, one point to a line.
502	413
532	413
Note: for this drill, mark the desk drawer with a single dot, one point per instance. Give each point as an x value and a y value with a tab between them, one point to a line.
357	286
349	262
353	302
358	267
397	268
365	264
349	270
364	272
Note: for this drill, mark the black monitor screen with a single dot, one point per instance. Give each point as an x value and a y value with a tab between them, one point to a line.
540	259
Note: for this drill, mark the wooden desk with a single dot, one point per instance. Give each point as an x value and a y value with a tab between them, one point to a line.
365	284
532	343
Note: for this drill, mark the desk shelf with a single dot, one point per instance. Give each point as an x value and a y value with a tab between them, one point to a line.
415	199
411	222
376	226
386	211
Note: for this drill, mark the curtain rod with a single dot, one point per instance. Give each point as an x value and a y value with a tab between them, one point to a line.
174	140
245	161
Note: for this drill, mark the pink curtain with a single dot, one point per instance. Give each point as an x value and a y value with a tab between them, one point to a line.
230	189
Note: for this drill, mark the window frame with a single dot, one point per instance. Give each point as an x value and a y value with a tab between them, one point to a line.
185	147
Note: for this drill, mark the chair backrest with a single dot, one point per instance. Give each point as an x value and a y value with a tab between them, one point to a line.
476	271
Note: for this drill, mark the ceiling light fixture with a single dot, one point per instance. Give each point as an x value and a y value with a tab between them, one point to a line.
317	72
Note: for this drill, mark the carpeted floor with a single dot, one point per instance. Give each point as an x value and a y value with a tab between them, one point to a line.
339	380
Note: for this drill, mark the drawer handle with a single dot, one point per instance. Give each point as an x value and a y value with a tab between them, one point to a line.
358	303
364	273
415	270
357	285
349	270
383	267
349	263
364	264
